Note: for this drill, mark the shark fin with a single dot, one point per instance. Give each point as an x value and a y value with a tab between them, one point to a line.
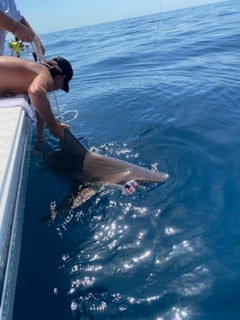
71	145
76	200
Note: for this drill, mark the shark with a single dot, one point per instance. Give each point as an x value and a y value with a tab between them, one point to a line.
92	171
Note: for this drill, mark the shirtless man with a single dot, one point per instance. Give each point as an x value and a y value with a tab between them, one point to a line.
23	76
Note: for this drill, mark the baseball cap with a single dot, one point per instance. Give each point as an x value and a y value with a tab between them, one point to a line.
66	68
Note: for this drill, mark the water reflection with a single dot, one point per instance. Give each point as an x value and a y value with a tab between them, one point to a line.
176	313
134	260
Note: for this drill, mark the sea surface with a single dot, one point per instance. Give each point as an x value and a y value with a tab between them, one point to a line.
161	91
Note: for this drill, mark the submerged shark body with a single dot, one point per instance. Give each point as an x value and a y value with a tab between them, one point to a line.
93	170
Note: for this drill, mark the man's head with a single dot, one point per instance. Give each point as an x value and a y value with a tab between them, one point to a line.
59	65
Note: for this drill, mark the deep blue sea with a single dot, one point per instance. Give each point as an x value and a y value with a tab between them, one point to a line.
161	91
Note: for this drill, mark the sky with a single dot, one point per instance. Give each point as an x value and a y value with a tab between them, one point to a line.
47	16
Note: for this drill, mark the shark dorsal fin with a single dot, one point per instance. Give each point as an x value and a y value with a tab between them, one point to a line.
70	145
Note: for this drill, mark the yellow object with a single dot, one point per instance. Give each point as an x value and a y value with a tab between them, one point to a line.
16	47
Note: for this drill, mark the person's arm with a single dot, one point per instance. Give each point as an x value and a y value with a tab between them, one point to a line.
7	22
27	24
22	29
37	92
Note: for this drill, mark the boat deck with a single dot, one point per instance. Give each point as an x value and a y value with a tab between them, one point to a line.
15	137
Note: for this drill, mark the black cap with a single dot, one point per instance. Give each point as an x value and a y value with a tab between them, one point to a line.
66	68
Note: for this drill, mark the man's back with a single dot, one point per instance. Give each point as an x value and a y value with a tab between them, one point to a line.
18	74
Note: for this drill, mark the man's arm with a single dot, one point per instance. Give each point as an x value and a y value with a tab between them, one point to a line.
36	37
37	92
21	31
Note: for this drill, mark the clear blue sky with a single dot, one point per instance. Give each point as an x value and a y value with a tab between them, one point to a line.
54	15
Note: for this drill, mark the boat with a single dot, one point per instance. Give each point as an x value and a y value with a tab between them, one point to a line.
15	141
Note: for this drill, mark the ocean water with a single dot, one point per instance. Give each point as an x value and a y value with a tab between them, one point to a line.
160	91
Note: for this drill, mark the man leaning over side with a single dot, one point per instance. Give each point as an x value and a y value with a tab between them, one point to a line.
24	76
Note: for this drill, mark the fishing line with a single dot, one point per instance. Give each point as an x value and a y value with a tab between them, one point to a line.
60	115
37	51
154	49
157	33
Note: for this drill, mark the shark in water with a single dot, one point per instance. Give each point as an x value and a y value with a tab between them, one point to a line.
92	171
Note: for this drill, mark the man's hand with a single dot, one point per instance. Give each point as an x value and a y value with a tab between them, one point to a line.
23	32
58	130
